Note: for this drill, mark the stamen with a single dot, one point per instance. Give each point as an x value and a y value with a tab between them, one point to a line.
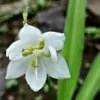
27	51
34	62
40	45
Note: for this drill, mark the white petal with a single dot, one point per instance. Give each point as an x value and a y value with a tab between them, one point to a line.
36	77
54	39
14	50
57	70
17	68
53	53
30	33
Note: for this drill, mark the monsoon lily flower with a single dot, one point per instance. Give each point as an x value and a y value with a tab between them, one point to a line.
37	55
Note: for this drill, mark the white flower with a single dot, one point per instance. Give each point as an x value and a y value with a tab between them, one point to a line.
36	55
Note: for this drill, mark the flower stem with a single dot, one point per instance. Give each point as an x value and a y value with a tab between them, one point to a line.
25	12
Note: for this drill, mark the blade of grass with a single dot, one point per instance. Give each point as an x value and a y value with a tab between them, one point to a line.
73	48
92	82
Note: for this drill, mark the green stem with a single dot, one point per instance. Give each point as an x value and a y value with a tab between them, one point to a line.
73	48
92	82
25	12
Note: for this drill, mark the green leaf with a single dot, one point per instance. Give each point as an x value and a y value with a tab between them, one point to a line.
73	48
92	82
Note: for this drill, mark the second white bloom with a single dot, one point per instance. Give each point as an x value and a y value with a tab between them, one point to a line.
36	55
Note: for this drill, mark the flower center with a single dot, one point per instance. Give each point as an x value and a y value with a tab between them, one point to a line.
36	51
29	50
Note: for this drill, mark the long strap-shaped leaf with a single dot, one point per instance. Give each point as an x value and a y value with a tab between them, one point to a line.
92	82
73	48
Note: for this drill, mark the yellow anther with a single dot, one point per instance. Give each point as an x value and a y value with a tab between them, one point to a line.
29	48
40	45
27	51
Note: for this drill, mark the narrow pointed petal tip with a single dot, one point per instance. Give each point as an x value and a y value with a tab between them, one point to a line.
68	75
7	53
7	77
